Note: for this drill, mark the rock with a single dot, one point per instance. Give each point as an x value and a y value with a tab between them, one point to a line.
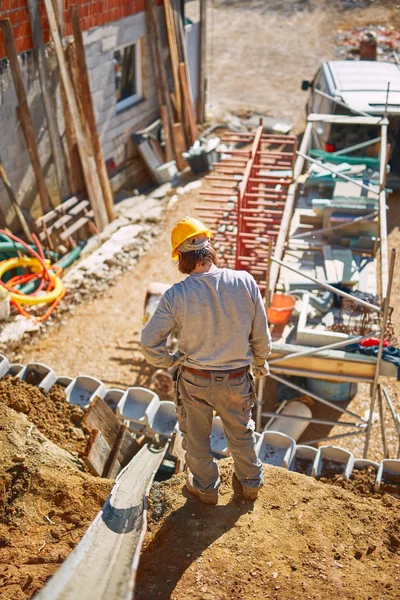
18	458
77	433
357	554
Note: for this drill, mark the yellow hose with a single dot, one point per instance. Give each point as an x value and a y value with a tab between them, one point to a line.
35	266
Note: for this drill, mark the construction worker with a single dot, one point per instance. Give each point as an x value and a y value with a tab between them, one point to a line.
222	330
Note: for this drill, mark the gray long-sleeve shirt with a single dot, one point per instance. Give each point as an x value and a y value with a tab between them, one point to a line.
220	319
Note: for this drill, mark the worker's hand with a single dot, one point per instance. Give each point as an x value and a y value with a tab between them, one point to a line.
259	370
177	357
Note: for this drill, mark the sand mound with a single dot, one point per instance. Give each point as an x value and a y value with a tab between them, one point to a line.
46	505
300	539
49	411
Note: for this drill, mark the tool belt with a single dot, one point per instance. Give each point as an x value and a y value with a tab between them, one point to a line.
207	374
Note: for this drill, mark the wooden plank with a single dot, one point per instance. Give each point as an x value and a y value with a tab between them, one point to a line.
161	75
202	83
48	99
77	225
180	146
167	133
173	51
88	163
15	205
24	114
100	416
54	214
188	105
87	101
73	160
97	452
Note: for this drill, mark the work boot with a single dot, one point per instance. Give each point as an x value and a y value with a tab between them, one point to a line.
205	497
250	493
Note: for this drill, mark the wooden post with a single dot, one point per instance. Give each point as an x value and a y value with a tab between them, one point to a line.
201	102
24	114
88	163
89	112
161	76
48	99
188	104
74	164
173	51
379	357
178	137
14	203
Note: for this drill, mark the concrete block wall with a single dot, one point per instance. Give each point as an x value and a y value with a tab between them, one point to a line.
114	129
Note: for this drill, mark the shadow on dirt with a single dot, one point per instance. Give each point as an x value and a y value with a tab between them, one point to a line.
163	562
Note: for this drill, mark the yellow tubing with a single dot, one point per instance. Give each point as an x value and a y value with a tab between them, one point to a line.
35	266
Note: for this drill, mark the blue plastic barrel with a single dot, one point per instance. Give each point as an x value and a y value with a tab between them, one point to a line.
331	390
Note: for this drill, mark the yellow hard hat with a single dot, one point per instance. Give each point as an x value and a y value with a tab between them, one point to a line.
185	229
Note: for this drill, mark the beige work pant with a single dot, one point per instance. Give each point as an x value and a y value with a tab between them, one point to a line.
232	398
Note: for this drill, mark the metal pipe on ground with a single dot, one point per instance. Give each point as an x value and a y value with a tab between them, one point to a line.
315	397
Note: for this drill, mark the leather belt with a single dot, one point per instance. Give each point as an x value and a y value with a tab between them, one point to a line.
207	374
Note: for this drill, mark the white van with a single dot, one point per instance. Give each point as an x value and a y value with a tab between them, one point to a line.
372	87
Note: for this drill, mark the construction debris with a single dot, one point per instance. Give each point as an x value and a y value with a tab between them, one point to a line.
387	40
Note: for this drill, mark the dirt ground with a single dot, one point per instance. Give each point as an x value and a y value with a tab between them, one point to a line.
261	50
300	539
46	505
49	411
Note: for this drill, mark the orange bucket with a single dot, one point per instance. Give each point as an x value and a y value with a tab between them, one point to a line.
281	308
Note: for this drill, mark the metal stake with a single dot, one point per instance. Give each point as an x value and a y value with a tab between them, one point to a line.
270	413
315	397
379	357
335	437
382	422
311	351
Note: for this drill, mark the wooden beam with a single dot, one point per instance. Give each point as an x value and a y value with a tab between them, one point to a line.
73	160
173	52
48	100
161	75
202	84
89	111
15	205
178	137
24	114
88	163
188	104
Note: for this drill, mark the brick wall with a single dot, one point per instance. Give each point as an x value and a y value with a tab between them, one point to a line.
93	13
114	127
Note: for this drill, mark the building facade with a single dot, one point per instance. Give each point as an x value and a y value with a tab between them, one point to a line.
121	80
